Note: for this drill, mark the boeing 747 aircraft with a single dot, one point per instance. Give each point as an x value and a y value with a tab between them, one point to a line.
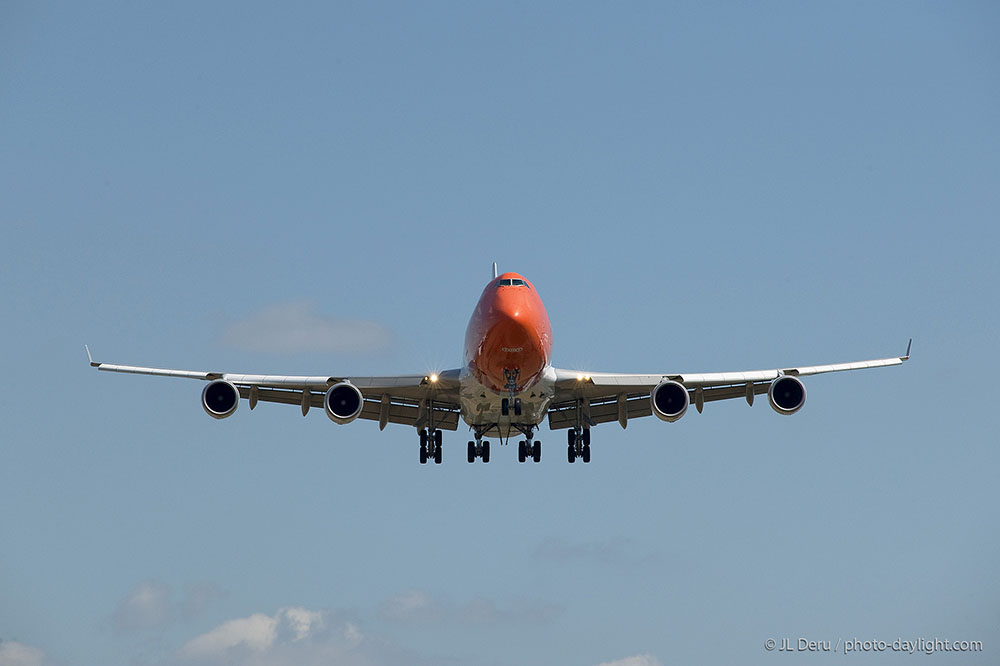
506	386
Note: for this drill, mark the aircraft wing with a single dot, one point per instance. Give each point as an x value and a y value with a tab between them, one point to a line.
404	399
604	397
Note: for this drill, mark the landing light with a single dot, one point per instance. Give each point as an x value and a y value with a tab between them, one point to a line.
433	378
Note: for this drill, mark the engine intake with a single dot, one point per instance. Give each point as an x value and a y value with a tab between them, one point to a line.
343	402
220	399
669	400
787	394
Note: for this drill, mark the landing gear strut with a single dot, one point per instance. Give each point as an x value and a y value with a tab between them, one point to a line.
430	446
579	444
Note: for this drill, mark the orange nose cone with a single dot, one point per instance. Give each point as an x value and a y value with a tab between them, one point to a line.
509	340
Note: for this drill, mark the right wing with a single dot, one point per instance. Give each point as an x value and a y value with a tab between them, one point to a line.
405	399
602	397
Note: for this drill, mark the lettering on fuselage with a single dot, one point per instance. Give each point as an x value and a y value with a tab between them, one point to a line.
511	350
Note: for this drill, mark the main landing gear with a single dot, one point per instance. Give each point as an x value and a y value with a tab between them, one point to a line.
525	450
430	446
479	449
579	444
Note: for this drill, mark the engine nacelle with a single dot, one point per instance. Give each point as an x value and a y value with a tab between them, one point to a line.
220	399
786	394
343	402
669	400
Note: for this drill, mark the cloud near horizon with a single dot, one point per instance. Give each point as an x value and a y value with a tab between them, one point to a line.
292	635
293	327
635	660
13	653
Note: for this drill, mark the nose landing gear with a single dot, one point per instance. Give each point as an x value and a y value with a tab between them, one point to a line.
507	403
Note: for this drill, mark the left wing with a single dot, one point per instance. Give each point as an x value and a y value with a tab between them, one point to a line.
583	399
406	399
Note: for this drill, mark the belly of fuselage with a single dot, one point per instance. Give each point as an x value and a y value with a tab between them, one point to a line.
482	406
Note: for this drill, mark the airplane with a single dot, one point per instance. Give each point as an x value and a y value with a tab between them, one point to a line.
507	386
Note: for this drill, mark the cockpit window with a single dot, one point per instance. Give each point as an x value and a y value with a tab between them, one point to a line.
511	282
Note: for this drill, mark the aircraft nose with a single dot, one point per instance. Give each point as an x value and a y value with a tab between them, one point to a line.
513	348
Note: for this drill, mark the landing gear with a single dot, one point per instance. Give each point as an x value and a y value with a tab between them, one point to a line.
525	450
507	403
578	445
430	446
480	450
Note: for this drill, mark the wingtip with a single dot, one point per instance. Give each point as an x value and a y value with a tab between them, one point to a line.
909	344
90	358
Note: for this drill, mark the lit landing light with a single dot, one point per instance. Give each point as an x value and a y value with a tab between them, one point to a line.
582	377
433	378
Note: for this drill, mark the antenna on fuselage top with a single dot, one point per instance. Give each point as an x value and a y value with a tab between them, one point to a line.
494	270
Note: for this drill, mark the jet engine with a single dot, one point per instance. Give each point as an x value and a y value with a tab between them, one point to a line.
669	400
786	394
343	402
220	399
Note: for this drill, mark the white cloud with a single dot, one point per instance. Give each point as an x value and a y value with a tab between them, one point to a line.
294	327
293	636
257	632
147	606
260	632
636	660
19	654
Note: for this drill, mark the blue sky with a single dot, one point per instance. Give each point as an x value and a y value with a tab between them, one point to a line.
691	188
